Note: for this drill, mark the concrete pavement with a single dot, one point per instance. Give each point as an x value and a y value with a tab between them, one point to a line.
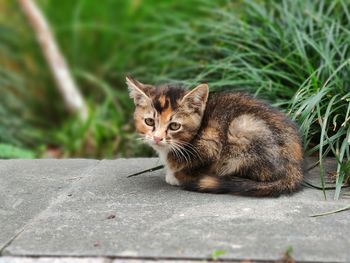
91	211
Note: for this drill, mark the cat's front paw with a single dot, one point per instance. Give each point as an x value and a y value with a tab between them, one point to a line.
171	179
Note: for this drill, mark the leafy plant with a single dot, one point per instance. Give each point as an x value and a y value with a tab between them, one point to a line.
108	129
97	40
8	151
16	121
292	53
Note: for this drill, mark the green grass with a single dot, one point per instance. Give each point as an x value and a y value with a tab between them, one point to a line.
107	133
98	41
293	53
10	151
17	131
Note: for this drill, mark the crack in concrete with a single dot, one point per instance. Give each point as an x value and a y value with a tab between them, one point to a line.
10	241
53	201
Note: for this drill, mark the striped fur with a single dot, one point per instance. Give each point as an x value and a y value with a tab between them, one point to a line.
228	142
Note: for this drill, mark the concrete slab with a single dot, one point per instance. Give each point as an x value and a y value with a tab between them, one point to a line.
91	260
108	214
28	186
53	260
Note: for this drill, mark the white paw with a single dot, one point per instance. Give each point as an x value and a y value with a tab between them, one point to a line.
171	179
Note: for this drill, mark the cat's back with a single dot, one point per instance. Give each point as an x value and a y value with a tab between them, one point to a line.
233	104
247	138
226	107
245	123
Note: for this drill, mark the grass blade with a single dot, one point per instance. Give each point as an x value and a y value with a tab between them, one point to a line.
332	212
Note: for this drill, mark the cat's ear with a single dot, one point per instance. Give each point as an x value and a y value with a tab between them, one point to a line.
137	91
197	96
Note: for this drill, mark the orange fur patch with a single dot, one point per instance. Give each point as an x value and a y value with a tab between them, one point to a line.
211	132
162	101
295	149
292	149
165	115
230	166
139	123
210	142
208	182
182	177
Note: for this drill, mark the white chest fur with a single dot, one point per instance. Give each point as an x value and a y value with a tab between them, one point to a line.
169	176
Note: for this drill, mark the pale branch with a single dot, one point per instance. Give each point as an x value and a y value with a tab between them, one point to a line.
59	68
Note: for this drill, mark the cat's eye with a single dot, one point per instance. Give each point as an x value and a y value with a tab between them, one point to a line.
149	121
174	126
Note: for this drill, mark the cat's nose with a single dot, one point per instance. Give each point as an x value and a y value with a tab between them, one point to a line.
157	139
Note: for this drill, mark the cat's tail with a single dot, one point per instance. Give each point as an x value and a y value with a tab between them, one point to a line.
244	186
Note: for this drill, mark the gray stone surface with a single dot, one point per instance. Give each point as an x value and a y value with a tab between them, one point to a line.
28	186
107	214
53	260
87	260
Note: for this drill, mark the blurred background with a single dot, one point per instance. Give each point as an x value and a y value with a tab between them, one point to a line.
292	53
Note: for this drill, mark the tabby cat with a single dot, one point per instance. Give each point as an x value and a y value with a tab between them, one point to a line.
222	142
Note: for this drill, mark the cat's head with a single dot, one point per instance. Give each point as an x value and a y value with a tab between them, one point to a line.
167	116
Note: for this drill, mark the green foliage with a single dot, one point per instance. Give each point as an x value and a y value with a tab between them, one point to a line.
98	43
216	254
289	252
293	53
16	101
107	131
8	151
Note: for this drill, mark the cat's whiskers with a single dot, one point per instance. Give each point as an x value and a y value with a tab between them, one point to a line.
179	149
141	136
183	152
175	151
190	149
194	151
144	138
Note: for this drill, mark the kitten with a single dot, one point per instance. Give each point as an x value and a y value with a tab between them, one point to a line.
222	142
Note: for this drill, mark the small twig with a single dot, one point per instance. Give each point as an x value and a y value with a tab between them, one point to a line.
308	184
313	166
148	170
332	212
